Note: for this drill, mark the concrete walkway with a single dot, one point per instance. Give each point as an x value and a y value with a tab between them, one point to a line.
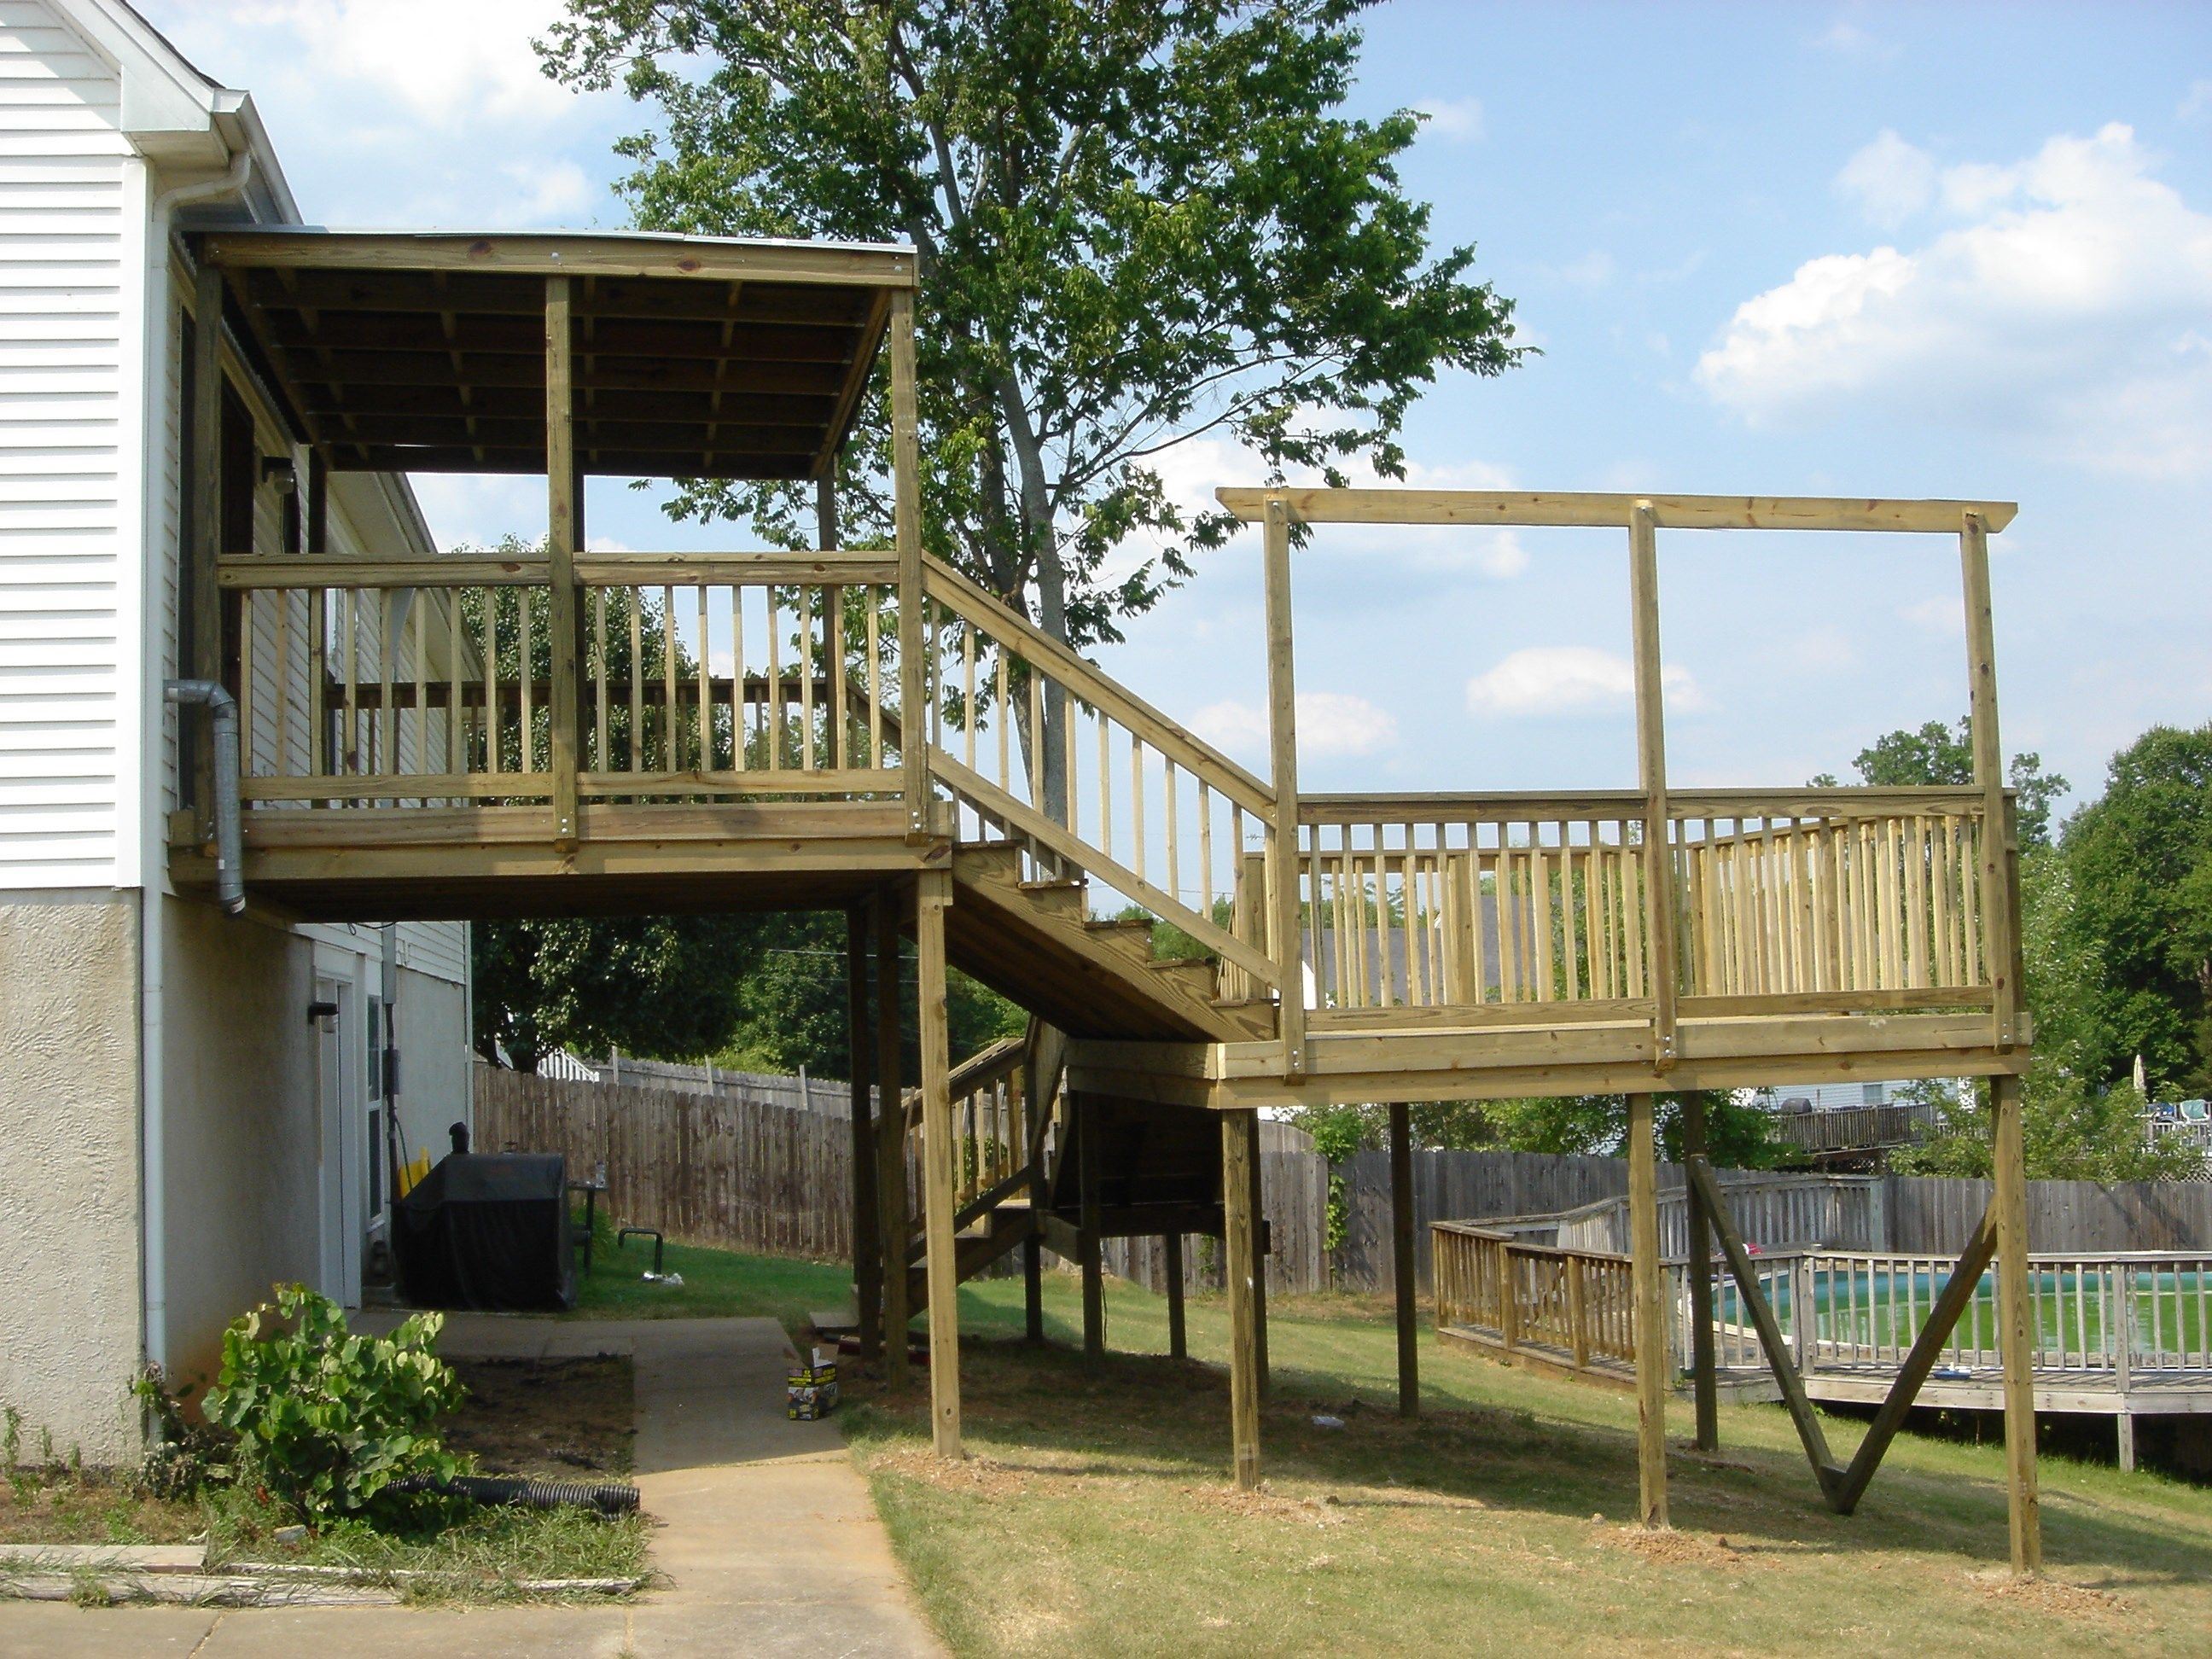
768	1536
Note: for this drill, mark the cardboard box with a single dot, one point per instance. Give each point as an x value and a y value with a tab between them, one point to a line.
811	1390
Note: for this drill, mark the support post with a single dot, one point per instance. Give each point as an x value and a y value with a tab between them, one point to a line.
1402	1242
2015	1323
1999	910
1651	768
1703	1374
1178	1335
867	1248
1285	945
1240	1241
932	892
1087	1241
893	1233
1262	1247
905	514
564	512
1038	1084
1649	1283
2123	1361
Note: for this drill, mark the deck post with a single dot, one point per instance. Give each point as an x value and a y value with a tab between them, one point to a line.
1704	1379
867	1249
894	1236
1178	1336
932	892
1087	1242
1240	1228
1999	908
2123	1357
2016	1327
1651	770
1263	1245
564	533
1653	1360
906	514
1402	1242
1285	944
1037	1107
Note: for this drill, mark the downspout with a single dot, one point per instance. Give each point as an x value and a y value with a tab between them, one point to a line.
153	1148
223	715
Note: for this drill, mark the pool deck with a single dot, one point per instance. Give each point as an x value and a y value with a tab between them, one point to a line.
2093	1390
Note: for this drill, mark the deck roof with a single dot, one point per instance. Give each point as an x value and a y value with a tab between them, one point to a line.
707	357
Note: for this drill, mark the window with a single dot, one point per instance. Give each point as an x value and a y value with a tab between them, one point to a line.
375	1049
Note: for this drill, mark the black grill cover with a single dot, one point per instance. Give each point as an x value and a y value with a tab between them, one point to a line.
489	1231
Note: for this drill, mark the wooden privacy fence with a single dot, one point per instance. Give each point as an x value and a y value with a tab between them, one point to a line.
759	1175
740	1175
1295	1202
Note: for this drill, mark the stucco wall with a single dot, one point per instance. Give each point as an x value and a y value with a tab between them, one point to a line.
243	1139
68	1168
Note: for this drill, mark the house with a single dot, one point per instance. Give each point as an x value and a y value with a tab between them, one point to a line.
192	1102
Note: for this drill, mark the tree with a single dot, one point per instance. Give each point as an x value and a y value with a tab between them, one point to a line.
793	1009
1136	222
1738	1135
664	987
2139	870
2071	1131
1937	754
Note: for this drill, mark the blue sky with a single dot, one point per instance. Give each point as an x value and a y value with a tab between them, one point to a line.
1870	251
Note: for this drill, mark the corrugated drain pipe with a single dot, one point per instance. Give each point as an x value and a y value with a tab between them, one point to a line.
223	715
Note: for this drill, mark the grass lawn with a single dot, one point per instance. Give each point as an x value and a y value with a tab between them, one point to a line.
1096	1517
717	1285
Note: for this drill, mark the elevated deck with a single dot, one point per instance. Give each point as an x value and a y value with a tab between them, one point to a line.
559	731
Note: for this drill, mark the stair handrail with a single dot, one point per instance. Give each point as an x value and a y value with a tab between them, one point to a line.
1090	684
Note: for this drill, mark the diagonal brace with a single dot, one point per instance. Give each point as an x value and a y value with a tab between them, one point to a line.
1826	1470
1959	1290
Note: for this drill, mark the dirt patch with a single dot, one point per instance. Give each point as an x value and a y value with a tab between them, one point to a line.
552	1419
1323	1511
1667	1547
51	1507
2054	1596
970	1477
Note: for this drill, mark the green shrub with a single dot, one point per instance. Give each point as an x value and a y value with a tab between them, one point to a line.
326	1419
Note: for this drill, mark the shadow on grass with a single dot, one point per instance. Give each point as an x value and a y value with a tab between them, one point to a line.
1139	1417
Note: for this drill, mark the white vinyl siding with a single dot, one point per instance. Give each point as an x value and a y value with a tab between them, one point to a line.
61	294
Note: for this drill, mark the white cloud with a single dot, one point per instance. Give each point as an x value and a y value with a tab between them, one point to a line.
1569	679
1330	724
1457	119
1889	179
2069	304
1945	616
444	61
1847	39
1593	269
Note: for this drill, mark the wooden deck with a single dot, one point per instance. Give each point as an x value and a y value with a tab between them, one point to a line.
556	731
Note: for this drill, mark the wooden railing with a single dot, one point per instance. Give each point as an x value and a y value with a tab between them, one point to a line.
1470	901
443	680
1842	899
993	1137
1581	1303
1040	748
1852	1128
2131	1316
1856	897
